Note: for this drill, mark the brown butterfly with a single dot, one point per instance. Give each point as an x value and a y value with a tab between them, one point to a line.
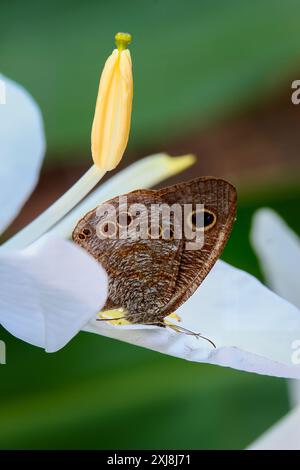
150	278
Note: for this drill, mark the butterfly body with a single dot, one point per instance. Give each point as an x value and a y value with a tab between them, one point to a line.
151	277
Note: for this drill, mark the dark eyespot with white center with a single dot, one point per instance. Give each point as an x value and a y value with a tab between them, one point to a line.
203	219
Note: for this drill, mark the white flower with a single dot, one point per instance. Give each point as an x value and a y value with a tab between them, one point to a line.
50	290
278	249
252	327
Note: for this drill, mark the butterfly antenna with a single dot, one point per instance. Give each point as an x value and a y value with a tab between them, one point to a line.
181	329
208	340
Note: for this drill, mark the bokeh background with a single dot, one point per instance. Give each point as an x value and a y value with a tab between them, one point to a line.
213	78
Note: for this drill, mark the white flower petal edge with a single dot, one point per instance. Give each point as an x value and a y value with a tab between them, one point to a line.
278	249
22	148
49	291
284	435
251	326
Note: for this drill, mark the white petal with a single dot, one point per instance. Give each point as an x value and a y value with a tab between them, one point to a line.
284	435
22	147
49	291
252	327
278	249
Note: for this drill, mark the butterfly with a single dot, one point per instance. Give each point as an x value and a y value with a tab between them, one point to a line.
150	277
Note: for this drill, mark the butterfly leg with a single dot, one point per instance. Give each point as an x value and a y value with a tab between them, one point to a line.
115	316
163	324
110	319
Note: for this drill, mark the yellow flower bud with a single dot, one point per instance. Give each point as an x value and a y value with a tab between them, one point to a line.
111	123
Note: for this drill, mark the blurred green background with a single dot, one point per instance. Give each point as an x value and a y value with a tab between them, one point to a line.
213	78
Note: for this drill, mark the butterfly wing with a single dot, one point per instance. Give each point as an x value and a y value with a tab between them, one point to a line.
151	278
219	197
142	273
